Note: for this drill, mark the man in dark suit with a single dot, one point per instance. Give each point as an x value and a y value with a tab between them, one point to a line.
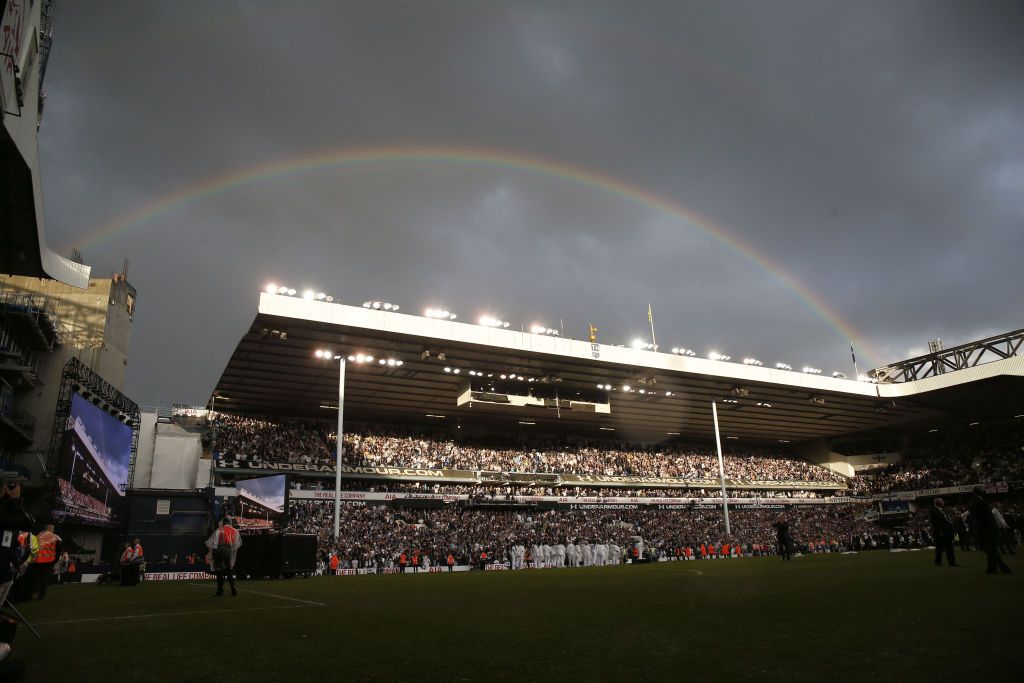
986	533
784	538
942	531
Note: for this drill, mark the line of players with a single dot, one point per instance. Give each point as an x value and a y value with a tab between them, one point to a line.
564	555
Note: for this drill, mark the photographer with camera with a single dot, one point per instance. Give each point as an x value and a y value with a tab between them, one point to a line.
13	520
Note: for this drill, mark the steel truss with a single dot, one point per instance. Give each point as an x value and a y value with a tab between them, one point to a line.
956	358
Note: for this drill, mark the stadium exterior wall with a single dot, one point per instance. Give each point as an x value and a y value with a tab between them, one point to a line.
169	456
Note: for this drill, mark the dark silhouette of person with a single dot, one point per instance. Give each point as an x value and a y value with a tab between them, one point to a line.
986	533
784	538
943	532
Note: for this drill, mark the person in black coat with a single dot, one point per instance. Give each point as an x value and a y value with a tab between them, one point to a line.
986	533
784	538
943	532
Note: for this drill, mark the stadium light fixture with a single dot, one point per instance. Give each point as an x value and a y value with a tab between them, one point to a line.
783	440
447	369
783	366
752	361
540	329
643	391
625	387
488	321
607	429
672	433
524	422
811	371
439	313
456	371
729	400
380	305
668	393
839	375
270	288
440	417
973	424
932	431
764	404
732	437
309	295
715	355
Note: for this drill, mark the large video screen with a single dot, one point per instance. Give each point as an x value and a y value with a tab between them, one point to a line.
262	502
93	473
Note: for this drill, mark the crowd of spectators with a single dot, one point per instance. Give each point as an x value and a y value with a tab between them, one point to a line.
250	440
83	504
375	535
974	456
506	492
247	439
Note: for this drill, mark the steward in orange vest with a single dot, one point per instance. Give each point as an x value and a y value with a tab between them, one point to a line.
334	563
451	561
402	561
41	570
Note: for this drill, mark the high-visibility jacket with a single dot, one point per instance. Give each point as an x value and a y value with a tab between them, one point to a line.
334	563
451	560
47	547
483	556
402	559
228	534
415	559
137	552
30	546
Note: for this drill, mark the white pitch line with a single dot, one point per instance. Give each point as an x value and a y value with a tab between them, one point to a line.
695	571
269	595
162	614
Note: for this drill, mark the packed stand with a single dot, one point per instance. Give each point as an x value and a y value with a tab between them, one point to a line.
299	442
985	456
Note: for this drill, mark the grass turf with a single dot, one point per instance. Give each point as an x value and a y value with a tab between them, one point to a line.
846	617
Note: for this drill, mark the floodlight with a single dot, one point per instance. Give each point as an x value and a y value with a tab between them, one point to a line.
271	289
309	294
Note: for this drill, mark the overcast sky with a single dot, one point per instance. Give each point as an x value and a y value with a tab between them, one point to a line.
874	151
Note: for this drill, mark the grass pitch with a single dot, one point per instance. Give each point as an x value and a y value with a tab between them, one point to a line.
843	617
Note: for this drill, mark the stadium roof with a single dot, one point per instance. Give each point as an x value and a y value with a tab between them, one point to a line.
274	370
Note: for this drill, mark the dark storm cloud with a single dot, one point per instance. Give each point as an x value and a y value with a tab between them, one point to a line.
873	150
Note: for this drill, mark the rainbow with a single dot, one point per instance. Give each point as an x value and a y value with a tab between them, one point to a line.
334	159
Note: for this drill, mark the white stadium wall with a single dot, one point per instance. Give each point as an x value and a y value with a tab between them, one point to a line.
169	457
817	452
144	455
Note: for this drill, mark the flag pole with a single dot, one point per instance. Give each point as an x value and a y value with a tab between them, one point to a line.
721	470
853	356
650	318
